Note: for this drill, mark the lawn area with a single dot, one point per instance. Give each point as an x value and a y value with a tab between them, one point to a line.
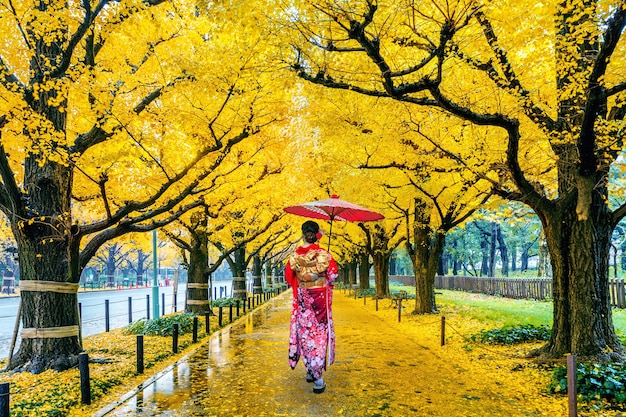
500	312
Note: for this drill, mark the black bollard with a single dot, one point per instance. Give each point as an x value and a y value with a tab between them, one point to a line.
80	316
194	336
163	304
175	302
230	313
244	306
207	322
106	315
237	301
140	354
399	309
249	303
4	399
148	306
130	310
219	322
83	367
175	338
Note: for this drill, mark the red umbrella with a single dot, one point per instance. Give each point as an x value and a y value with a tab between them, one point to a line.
334	208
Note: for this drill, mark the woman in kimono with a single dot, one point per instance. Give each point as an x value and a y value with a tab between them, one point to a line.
311	272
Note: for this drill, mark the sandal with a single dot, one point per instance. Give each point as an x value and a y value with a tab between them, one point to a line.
319	386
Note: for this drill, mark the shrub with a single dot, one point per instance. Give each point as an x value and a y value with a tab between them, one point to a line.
224	302
163	326
510	335
594	381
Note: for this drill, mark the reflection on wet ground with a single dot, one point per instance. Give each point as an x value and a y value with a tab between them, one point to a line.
197	385
380	371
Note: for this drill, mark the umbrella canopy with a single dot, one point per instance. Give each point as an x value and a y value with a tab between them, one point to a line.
334	208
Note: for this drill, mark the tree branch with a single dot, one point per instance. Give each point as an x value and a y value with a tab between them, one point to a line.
10	195
596	96
510	82
129	226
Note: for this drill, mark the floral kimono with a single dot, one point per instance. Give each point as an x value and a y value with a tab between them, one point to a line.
311	272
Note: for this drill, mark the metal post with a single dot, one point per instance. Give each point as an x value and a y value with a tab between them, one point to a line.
443	330
399	309
155	278
130	310
195	330
83	367
148	306
220	317
140	354
237	301
230	313
163	304
106	315
571	386
207	322
175	338
4	399
175	302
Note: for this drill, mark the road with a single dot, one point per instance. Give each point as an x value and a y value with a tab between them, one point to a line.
93	307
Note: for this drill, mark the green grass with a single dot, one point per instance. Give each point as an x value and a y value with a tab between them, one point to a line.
499	311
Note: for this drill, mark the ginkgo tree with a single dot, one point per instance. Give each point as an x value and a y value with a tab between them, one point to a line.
546	80
120	111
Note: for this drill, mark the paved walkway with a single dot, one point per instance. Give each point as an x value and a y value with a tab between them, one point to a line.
243	371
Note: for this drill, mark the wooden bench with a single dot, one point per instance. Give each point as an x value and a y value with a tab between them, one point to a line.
397	297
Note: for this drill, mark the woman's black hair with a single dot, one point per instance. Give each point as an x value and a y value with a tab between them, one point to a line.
309	230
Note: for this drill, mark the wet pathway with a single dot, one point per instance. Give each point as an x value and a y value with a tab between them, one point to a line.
243	371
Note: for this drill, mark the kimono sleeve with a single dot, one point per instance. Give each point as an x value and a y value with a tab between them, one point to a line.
290	277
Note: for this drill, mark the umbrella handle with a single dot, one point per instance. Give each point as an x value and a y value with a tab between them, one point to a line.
330	233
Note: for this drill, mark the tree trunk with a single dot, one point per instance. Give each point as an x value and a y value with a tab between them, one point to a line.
269	278
514	257
238	268
140	267
381	274
484	249
425	257
543	263
442	267
257	284
492	250
47	255
352	272
582	319
504	254
198	277
525	256
393	264
364	271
